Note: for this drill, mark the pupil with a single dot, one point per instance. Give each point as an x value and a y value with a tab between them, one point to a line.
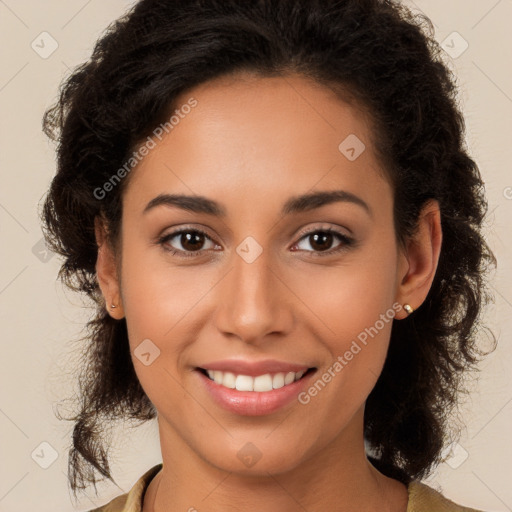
322	238
190	240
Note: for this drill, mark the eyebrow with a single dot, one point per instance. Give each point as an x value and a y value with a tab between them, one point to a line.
296	204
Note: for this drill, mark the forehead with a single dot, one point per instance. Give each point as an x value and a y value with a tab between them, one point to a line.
266	135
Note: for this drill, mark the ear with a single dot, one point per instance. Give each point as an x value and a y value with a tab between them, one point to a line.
106	270
418	265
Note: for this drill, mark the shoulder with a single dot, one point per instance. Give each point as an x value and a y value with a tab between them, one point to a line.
423	498
116	505
131	501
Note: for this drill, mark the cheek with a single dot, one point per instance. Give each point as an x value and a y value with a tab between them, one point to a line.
349	299
156	294
359	318
159	302
162	304
352	306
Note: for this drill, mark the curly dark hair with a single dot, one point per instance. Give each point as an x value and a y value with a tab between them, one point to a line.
376	53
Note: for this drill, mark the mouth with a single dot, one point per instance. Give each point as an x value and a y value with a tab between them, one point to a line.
258	384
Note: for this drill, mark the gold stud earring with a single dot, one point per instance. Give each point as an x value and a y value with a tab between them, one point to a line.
408	308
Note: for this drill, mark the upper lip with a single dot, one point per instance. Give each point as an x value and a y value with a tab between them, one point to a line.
254	368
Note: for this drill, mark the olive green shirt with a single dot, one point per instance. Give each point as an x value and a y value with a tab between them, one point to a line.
422	498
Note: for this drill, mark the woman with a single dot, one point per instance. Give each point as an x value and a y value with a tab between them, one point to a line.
271	204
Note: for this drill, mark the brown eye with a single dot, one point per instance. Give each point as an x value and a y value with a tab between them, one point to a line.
186	242
191	241
321	240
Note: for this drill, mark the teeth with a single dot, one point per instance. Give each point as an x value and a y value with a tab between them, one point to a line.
278	381
289	378
244	383
261	383
228	380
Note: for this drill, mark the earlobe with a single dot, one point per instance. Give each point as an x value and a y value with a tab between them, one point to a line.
106	271
423	252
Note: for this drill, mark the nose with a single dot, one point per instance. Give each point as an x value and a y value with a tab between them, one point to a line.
253	299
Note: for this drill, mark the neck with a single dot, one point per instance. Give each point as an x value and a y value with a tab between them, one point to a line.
338	477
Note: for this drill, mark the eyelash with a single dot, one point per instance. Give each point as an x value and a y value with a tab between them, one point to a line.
346	242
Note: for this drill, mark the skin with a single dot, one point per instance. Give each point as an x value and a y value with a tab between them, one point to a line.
250	144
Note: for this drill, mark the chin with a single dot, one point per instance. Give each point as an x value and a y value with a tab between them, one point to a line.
258	458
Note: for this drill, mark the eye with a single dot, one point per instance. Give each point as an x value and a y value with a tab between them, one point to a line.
191	241
320	240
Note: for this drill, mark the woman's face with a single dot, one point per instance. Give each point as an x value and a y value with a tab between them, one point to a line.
265	282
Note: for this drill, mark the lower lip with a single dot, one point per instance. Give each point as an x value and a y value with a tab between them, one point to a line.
254	403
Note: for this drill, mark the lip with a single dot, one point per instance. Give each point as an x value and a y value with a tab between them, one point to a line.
254	368
253	403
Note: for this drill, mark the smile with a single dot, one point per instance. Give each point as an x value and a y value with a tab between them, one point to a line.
260	383
257	394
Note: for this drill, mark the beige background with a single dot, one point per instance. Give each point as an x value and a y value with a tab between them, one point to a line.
40	320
